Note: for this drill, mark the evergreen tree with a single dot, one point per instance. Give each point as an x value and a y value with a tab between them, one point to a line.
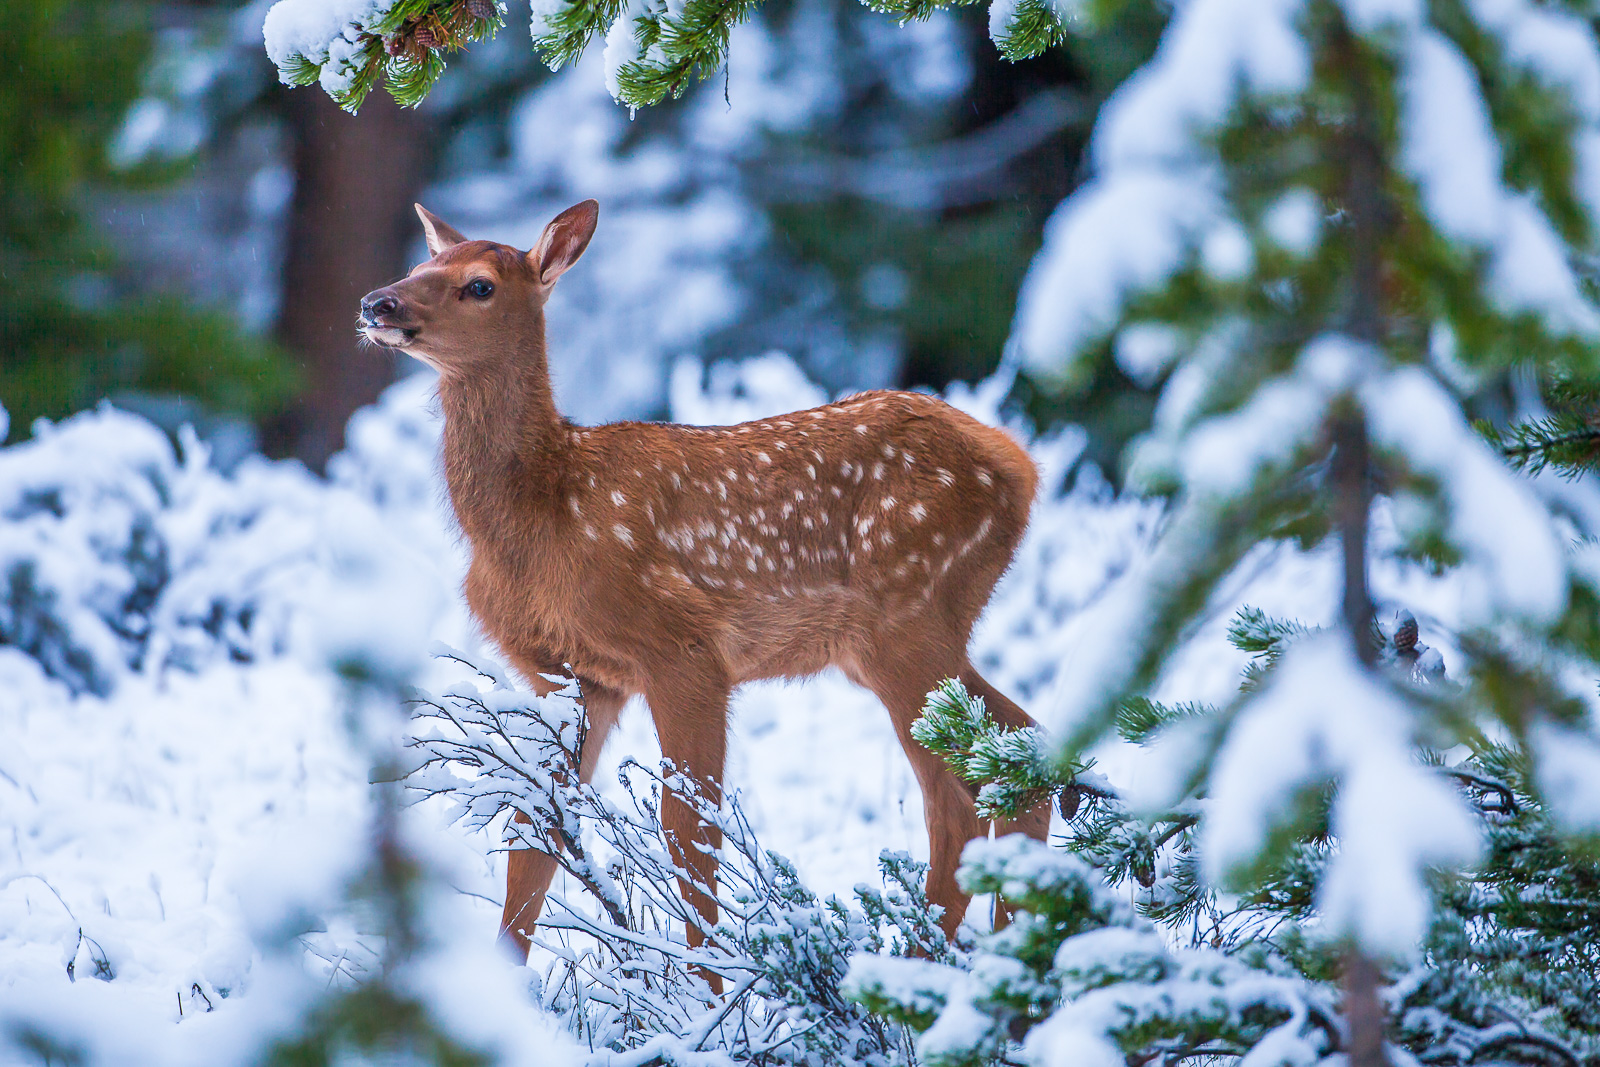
1308	220
69	69
1506	969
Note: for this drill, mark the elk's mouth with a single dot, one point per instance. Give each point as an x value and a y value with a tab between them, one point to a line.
387	336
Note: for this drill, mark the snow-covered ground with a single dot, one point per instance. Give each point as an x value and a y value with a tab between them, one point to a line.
176	772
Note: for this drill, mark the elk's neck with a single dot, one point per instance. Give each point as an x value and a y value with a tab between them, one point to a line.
502	436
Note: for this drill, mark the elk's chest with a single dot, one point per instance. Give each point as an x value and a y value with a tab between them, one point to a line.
533	606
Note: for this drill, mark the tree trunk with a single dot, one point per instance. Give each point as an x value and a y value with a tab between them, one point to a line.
356	177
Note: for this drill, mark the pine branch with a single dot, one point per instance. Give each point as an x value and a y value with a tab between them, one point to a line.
1568	441
1015	770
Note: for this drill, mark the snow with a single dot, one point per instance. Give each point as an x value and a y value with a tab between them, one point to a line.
1449	148
1514	562
310	28
1568	772
1114	237
1553	45
1294	221
205	787
1323	718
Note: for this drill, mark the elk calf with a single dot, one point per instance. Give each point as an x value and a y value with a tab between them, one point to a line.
678	561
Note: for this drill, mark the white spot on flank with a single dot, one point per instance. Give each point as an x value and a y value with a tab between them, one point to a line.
788	509
861	427
588	532
811	470
888	503
763	457
733	475
677	482
617	498
888	451
938	540
918	512
750	564
877	470
836	492
622	534
983	477
807	523
945	477
572	502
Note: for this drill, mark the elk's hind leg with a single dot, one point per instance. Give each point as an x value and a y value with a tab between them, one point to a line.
901	672
529	871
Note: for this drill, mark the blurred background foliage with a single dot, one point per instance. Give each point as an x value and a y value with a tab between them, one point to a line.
185	236
73	326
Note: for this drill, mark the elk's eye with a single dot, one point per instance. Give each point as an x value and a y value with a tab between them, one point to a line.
480	288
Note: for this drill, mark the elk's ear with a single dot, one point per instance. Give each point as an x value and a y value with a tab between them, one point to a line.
563	241
440	234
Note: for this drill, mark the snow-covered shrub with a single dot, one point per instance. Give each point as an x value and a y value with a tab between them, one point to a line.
620	970
117	555
193	695
1504	972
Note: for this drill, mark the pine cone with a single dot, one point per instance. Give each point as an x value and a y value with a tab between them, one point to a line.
1068	802
482	9
1405	636
1144	873
394	45
425	36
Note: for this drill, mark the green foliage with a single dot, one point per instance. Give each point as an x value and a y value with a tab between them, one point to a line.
69	69
1567	439
401	46
1509	969
1014	769
62	358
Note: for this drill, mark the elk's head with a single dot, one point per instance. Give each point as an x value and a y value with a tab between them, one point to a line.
473	300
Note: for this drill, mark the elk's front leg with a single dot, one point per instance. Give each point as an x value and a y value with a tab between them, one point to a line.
689	703
529	871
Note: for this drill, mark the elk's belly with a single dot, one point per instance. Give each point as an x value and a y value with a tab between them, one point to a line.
794	636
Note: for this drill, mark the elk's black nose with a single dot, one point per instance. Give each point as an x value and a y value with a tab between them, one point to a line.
379	302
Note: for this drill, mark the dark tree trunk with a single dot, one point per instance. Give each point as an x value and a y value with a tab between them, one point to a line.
356	177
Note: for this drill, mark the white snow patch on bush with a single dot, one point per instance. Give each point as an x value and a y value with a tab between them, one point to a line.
1322	718
1514	563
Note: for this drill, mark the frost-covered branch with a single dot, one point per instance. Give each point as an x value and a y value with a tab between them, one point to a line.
622	971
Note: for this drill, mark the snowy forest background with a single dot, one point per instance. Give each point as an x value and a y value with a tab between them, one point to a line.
227	589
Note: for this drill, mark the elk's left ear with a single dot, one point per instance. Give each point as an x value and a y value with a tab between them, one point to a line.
439	233
563	241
